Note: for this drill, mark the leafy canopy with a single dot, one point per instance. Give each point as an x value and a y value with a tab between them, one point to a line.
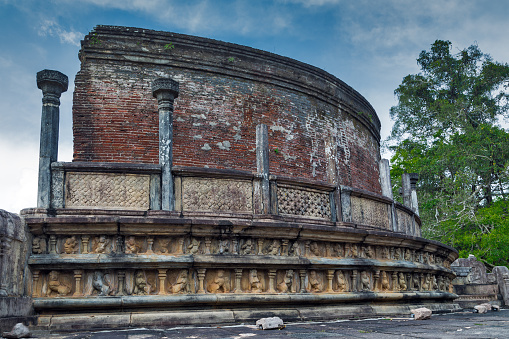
446	130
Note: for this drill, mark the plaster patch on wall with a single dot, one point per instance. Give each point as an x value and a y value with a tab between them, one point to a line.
179	119
289	135
206	147
224	145
197	136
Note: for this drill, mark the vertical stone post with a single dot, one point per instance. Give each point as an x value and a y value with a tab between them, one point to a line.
78	274
162	280
166	91
121	282
85	240
354	280
260	246
35	283
406	190
272	281
52	84
238	278
201	278
284	247
395	281
414	177
262	166
302	276
5	247
385	183
150	244
330	276
52	244
346	206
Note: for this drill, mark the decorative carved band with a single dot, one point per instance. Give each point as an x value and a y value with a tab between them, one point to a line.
217	195
370	212
308	203
107	190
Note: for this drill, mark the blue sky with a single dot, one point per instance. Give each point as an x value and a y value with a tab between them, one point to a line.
369	44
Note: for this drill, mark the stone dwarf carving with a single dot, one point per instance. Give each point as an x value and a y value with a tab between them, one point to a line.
219	284
408	255
254	282
285	286
434	283
415	282
341	282
384	253
314	249
100	284
274	247
194	246
224	246
351	250
101	245
397	253
57	286
365	281
338	250
402	285
182	283
141	287
368	252
70	245
426	283
130	246
247	247
38	245
295	249
314	282
385	282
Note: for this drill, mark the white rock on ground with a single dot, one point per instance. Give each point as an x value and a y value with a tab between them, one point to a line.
422	313
269	323
18	331
481	309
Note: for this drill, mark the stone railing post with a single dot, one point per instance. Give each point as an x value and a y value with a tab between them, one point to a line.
346	206
385	183
409	192
52	84
166	91
262	166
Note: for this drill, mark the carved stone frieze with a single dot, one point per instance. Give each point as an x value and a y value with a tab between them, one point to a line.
217	195
107	190
295	201
370	212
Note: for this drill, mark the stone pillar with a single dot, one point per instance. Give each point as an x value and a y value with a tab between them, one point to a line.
150	244
208	241
385	183
414	177
262	165
395	281
260	246
162	280
330	276
346	207
166	91
85	240
238	278
35	283
272	279
5	247
302	276
52	244
52	84
121	283
354	281
201	278
284	247
78	274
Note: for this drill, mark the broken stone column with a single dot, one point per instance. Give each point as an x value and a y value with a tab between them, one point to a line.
166	91
385	183
262	166
52	84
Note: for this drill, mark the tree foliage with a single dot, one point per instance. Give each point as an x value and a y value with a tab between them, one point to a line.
446	130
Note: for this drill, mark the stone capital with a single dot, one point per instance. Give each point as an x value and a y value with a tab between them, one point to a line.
163	86
52	82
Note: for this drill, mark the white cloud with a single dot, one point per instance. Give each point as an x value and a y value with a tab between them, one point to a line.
312	3
52	28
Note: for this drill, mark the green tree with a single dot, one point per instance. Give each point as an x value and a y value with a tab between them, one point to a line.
446	130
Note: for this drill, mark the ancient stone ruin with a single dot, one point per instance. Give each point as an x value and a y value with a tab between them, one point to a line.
217	183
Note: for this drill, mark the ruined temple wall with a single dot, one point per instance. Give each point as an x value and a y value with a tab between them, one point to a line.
319	128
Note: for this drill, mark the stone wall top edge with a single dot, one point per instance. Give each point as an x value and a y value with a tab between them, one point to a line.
350	96
212	172
112	167
408	210
361	193
320	185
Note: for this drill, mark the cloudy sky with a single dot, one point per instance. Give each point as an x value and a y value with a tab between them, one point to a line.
369	44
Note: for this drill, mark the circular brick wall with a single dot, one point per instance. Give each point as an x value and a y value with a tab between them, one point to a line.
319	128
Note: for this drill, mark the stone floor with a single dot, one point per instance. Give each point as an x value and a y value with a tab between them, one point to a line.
458	325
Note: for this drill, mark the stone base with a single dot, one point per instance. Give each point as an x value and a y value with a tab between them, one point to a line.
14	310
151	319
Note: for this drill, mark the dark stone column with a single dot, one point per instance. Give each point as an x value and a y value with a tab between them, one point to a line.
346	206
166	91
262	165
52	84
385	183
